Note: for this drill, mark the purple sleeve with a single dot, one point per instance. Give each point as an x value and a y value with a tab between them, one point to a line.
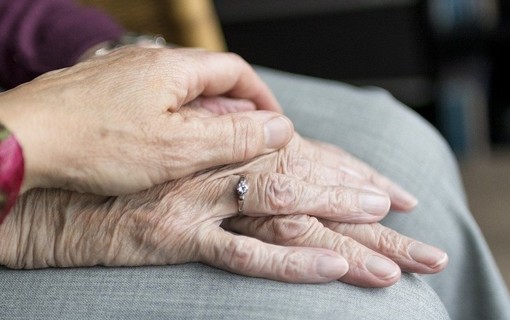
37	36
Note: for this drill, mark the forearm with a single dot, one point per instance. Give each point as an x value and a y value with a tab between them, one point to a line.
46	228
37	36
59	228
27	232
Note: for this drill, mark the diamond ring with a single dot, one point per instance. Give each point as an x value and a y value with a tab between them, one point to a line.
241	190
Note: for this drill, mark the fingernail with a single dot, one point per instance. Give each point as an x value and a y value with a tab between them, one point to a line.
332	267
373	203
278	132
382	268
428	255
404	197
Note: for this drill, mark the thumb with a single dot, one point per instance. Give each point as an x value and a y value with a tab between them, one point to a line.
237	137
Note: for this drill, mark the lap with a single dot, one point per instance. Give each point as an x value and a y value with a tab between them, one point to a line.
195	291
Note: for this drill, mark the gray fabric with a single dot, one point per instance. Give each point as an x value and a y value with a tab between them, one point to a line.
369	124
195	291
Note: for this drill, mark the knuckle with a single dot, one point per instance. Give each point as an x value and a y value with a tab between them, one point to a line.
239	254
388	241
291	229
343	200
244	145
348	247
281	193
292	266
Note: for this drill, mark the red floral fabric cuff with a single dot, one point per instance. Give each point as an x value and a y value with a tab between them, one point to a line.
12	169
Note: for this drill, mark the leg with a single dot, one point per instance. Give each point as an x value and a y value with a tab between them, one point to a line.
195	291
373	126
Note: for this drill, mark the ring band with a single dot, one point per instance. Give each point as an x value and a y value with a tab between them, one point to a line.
241	190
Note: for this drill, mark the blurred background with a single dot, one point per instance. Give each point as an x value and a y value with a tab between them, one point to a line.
447	59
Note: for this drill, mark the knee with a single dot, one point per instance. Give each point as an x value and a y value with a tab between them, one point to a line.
410	298
406	135
404	120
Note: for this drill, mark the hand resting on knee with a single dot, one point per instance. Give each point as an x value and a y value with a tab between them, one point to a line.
310	216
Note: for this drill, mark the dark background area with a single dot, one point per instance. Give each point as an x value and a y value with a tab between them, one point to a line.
447	59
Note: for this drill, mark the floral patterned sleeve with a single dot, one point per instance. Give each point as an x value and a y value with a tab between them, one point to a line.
11	171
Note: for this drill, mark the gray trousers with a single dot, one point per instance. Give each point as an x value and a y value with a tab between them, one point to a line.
373	126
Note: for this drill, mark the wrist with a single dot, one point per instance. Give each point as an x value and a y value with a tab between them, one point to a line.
31	233
23	122
12	170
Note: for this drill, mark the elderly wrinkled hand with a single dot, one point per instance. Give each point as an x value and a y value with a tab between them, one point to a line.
111	125
180	221
375	254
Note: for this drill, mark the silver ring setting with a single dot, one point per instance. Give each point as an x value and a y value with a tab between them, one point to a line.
241	191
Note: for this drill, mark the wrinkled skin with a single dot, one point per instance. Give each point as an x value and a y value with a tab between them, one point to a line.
111	126
304	204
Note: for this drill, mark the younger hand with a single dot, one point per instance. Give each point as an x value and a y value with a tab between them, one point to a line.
111	125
